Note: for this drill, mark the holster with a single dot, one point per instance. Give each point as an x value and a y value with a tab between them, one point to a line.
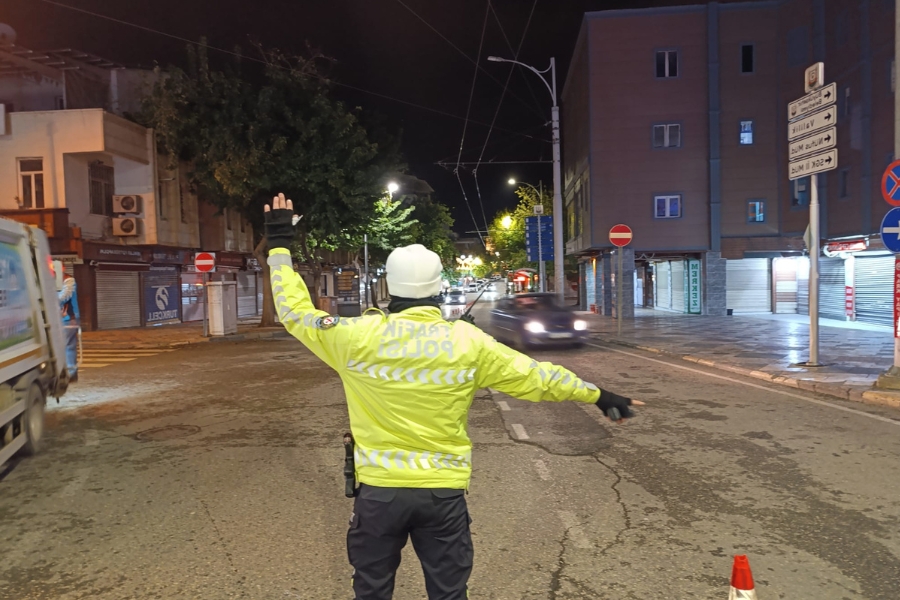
350	489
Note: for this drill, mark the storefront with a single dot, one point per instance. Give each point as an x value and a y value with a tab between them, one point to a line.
162	286
230	266
676	285
748	286
873	290
116	273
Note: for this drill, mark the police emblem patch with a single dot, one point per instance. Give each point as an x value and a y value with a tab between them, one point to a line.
327	322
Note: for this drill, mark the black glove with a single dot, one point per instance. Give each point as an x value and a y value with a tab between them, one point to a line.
280	228
611	403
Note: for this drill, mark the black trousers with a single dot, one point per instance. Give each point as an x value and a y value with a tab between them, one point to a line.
437	521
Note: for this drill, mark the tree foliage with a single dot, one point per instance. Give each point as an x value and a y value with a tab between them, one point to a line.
433	229
507	231
249	138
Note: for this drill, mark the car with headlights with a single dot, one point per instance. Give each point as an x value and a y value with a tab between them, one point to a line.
491	292
455	296
537	319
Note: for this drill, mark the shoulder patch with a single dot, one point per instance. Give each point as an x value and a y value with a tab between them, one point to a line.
327	322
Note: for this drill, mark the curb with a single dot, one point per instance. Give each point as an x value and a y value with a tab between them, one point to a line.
844	392
238	337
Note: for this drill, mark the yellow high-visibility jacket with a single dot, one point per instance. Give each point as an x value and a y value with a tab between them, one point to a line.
410	379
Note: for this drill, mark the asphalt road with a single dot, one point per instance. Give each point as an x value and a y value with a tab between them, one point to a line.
214	472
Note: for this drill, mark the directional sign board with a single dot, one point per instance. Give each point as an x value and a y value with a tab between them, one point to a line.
817	142
812	101
620	235
813	164
813	123
890	184
205	262
890	230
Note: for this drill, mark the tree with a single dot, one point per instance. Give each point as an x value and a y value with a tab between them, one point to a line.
247	141
433	229
507	231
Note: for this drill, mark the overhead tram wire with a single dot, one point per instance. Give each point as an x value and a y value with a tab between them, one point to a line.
499	104
477	63
436	111
462	141
525	78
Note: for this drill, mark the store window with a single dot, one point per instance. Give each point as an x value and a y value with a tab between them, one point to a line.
31	183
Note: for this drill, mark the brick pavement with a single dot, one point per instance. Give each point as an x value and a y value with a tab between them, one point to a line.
172	336
767	347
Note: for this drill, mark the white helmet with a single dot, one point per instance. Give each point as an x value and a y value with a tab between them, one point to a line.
414	272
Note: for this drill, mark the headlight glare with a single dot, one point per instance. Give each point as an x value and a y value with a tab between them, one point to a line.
535	327
580	325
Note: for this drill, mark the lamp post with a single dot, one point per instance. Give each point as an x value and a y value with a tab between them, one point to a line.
541	265
558	257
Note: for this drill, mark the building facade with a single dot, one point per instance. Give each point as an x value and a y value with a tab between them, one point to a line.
675	123
123	220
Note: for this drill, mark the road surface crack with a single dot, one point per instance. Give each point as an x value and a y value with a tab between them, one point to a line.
221	539
626	514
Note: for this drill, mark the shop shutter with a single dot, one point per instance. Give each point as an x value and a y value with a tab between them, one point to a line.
590	288
831	288
663	293
785	272
677	268
748	286
874	277
118	299
246	294
803	287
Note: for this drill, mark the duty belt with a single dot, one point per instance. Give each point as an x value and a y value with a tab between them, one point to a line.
401	459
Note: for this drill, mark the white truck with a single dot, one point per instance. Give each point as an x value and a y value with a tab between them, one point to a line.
32	342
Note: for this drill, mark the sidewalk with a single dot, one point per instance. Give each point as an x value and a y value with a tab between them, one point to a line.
173	336
765	347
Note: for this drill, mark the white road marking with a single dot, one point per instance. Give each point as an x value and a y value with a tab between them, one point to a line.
503	405
72	488
91	437
542	470
92	365
107	359
573	528
520	431
753	385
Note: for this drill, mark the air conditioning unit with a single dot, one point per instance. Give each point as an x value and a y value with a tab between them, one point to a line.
126	227
127	205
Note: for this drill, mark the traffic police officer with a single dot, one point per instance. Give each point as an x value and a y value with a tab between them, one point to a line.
410	379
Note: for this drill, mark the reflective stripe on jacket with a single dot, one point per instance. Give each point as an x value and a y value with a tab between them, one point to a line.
410	379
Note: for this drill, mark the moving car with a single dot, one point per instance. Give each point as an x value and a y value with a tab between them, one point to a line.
491	293
455	297
472	288
536	319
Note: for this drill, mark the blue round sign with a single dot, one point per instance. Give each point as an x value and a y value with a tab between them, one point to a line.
890	230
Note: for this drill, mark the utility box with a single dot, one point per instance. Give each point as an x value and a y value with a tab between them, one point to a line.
329	304
222	297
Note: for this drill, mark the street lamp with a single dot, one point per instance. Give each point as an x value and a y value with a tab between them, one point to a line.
558	257
392	188
511	181
506	222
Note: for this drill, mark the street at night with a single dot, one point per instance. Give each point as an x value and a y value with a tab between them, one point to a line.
215	472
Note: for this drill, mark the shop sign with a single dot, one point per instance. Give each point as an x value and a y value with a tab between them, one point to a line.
693	286
68	259
848	300
253	264
162	295
897	297
227	259
113	253
832	248
170	257
346	284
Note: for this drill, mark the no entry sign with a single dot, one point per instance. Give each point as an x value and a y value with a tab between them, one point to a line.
620	235
205	262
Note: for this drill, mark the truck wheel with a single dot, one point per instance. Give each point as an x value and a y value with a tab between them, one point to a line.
33	420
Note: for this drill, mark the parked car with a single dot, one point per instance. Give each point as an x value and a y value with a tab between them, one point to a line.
536	319
472	288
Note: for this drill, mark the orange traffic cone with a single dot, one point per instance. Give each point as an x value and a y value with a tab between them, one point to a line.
741	580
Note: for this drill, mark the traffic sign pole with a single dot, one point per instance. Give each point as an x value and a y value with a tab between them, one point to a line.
205	305
619	293
541	264
620	236
814	272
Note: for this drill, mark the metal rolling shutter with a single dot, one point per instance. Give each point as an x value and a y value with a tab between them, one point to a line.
118	299
589	285
663	295
803	288
874	277
677	267
785	272
246	294
748	286
831	288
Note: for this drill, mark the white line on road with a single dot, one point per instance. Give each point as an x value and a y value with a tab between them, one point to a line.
503	405
72	488
753	385
542	470
520	431
573	528
91	437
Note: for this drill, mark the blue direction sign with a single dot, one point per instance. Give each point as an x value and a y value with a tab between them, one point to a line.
890	230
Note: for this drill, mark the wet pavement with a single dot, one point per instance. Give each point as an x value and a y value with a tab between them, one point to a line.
214	471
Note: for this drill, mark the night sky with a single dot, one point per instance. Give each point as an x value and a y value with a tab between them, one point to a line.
380	46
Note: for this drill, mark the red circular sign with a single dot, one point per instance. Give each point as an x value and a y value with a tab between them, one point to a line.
890	184
620	235
205	262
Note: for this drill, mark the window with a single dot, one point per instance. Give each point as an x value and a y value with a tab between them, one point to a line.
243	224
756	211
798	46
844	102
227	216
667	207
60	103
31	182
666	64
667	136
747	65
844	183
842	28
102	186
746	133
800	195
